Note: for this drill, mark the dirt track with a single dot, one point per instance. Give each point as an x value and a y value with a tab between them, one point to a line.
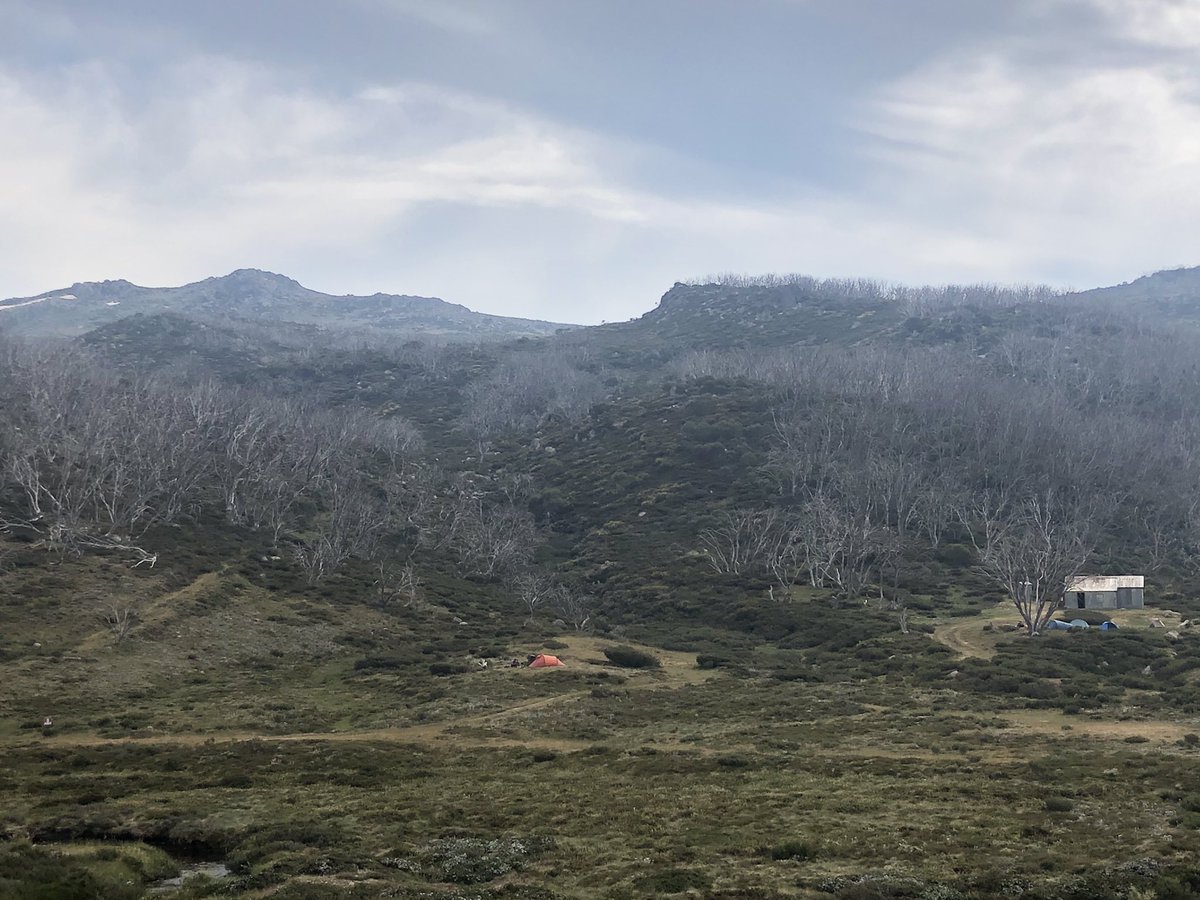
409	734
967	637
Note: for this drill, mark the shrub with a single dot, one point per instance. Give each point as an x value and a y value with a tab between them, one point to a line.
1190	802
467	860
378	663
443	668
673	881
798	850
308	892
713	661
631	658
28	873
1059	804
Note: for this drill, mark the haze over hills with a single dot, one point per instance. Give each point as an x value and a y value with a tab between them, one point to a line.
254	295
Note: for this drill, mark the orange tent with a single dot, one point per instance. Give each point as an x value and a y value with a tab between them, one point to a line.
543	660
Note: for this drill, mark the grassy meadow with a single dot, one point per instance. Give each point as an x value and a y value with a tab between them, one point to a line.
319	746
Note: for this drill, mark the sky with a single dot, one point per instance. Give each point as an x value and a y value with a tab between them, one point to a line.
571	159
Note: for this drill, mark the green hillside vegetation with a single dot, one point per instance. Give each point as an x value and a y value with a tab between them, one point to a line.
268	584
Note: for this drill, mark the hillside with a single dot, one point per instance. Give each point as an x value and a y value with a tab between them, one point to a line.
256	296
761	315
1180	286
253	576
781	312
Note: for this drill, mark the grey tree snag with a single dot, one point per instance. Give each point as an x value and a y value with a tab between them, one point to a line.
1030	548
536	588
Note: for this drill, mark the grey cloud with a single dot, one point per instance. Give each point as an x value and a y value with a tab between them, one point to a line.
522	155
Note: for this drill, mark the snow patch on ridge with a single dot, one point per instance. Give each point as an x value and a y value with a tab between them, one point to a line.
40	300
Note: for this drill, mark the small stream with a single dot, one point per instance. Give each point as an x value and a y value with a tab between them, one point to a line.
190	860
187	870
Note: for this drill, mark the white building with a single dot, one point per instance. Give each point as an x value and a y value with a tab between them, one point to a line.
1105	592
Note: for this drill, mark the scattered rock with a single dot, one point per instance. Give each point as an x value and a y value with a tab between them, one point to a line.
474	860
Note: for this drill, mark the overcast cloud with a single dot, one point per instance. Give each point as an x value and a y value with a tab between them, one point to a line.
570	161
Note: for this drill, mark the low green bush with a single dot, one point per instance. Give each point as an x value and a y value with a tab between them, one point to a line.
798	850
673	881
445	668
631	658
733	761
379	663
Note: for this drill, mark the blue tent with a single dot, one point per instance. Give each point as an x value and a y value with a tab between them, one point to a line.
1057	625
1109	626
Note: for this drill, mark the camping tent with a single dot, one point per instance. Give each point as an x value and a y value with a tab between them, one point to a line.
1058	625
1109	626
1079	623
543	660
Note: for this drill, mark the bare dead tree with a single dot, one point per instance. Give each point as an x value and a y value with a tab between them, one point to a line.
491	535
537	589
742	540
785	560
839	544
528	390
1031	548
395	583
352	527
573	606
935	505
120	620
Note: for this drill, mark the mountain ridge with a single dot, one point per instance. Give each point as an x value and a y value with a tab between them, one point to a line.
255	294
768	309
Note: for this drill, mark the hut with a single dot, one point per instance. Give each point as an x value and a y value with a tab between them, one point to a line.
1105	592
